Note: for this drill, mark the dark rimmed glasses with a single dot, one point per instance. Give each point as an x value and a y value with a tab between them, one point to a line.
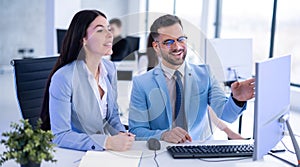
170	42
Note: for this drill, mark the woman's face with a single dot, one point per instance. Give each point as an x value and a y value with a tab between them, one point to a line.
99	38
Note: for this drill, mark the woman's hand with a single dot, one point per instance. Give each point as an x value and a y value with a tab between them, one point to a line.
120	142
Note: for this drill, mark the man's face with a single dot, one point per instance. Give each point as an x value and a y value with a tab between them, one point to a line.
116	31
171	45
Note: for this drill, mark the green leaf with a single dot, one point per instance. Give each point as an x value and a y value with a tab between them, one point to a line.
24	143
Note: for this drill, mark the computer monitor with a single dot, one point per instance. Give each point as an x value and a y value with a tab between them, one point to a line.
134	43
272	101
60	34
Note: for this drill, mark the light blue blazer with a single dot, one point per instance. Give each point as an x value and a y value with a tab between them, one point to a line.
150	110
76	120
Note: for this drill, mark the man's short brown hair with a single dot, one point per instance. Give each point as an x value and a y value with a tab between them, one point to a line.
116	21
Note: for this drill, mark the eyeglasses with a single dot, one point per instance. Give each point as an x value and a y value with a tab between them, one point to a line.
170	42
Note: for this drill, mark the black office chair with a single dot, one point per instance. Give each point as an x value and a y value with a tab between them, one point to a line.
30	78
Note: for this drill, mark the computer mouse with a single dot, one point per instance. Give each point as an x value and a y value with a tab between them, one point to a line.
153	144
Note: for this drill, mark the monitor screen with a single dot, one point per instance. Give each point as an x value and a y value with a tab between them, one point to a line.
272	101
60	34
134	43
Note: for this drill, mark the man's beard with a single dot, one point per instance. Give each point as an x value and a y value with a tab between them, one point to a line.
174	61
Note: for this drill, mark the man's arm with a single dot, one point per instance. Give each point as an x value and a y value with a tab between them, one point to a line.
138	114
224	107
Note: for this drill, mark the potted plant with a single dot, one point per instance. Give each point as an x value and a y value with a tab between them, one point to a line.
27	145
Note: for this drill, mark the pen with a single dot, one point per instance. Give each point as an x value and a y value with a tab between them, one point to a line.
130	134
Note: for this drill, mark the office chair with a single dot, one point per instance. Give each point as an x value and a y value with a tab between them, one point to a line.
30	79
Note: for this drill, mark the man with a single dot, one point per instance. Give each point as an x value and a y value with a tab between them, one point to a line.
121	48
170	102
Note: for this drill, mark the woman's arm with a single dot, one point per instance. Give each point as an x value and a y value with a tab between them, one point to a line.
60	93
222	126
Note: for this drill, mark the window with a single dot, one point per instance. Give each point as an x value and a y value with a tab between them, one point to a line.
252	19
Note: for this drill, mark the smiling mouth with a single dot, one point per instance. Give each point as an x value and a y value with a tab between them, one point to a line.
177	53
109	44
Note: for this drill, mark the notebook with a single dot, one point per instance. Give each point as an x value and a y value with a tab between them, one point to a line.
111	158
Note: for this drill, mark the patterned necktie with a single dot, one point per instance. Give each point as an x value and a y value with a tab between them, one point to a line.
179	103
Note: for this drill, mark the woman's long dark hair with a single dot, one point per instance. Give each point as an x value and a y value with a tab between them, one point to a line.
72	44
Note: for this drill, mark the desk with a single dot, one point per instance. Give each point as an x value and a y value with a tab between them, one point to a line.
164	158
71	158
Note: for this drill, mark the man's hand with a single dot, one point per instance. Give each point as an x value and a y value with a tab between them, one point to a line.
176	135
243	91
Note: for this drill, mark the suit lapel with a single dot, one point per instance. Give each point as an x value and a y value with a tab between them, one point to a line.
160	80
189	90
83	94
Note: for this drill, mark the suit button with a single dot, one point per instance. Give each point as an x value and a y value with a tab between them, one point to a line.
93	147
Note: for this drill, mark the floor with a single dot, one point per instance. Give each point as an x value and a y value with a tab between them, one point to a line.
9	110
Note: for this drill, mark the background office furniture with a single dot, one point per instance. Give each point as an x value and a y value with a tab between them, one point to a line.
67	157
126	69
134	43
229	60
120	48
125	48
124	85
124	75
60	35
30	79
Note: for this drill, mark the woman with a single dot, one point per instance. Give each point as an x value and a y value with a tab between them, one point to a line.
80	97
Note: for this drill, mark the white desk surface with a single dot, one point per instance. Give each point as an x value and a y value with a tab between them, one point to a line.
71	158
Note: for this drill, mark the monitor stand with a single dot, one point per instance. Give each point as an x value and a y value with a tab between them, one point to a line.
285	119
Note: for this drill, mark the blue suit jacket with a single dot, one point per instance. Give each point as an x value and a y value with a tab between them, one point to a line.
75	115
150	111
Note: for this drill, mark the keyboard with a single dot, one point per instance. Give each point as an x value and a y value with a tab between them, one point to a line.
211	151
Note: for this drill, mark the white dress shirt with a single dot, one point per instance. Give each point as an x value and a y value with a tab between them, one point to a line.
170	81
101	82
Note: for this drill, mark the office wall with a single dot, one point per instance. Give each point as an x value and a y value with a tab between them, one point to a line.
112	8
117	8
63	12
22	25
32	23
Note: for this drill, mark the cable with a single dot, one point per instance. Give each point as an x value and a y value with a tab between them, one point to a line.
287	148
141	159
286	161
155	158
296	135
224	160
287	134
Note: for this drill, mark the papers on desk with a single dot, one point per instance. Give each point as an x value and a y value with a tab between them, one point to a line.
111	158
